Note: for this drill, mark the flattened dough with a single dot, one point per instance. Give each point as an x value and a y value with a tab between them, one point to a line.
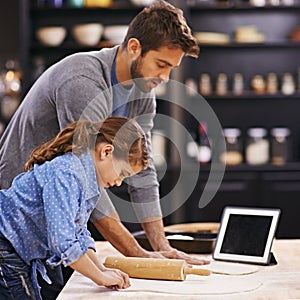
216	284
211	285
227	268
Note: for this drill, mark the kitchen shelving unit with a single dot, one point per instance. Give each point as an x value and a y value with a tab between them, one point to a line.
244	185
265	185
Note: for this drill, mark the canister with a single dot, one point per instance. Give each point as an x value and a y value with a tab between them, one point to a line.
234	147
280	145
205	87
221	84
257	146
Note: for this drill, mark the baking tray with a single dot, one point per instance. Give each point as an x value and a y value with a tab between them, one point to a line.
202	242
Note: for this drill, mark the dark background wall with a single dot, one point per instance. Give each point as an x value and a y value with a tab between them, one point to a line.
9	30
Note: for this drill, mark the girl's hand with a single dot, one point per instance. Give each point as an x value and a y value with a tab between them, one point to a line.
115	279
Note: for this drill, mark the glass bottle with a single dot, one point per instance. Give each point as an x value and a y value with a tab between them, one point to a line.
233	154
204	150
221	85
280	145
272	83
288	84
238	84
258	84
205	84
257	146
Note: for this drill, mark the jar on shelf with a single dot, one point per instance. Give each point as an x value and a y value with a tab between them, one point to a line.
205	84
221	85
238	84
257	146
272	83
288	85
234	147
258	84
280	145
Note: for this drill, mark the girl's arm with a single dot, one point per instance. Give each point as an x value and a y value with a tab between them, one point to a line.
109	278
92	255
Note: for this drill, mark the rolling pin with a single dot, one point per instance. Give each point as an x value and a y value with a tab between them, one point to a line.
153	268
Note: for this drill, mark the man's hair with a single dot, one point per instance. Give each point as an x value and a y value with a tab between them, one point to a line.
160	25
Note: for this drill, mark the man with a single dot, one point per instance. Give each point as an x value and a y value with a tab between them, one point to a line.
94	85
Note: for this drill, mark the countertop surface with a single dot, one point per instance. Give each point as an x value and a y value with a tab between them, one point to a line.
281	281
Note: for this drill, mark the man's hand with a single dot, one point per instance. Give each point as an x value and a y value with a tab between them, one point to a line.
176	254
190	259
159	242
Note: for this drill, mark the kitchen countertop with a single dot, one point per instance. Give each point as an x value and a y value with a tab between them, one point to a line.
281	281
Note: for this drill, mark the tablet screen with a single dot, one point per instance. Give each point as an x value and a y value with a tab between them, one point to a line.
246	234
243	233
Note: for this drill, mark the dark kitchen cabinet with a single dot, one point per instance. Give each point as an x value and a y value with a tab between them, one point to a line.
237	189
251	187
282	190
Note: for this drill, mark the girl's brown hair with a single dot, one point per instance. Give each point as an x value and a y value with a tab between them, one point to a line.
162	24
124	134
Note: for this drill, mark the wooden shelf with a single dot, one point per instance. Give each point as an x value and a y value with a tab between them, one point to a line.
241	7
268	44
70	46
244	168
248	95
50	10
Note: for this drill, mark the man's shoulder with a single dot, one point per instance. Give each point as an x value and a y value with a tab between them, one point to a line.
105	56
89	64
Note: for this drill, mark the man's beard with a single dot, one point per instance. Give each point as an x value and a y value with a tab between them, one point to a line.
138	78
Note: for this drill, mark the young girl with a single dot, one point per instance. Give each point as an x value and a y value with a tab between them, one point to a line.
44	214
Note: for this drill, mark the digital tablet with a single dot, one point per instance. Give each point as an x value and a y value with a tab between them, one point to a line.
246	235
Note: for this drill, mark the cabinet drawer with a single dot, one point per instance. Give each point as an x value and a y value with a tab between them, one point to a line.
282	190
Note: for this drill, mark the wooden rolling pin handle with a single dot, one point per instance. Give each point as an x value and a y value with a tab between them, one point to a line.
196	271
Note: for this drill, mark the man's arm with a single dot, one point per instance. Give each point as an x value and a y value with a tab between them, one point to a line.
154	230
117	234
